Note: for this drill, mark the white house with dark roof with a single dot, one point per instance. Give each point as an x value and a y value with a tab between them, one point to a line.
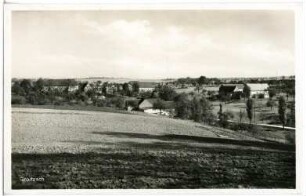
147	105
230	88
259	88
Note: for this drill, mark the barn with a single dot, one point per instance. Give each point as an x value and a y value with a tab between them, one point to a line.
229	89
258	88
147	105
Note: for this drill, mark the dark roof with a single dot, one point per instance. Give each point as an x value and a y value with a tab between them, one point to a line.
147	84
60	82
227	88
240	86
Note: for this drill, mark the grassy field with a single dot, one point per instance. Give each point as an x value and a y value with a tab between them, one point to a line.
90	149
263	114
74	107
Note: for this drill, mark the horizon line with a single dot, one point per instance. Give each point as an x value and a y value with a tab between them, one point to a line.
174	78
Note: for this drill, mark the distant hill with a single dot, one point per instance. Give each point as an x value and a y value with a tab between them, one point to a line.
121	80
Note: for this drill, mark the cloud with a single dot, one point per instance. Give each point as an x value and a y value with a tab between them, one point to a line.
143	46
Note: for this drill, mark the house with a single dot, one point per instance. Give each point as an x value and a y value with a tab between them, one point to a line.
97	87
73	88
111	89
230	89
88	86
60	85
258	88
147	105
147	86
56	87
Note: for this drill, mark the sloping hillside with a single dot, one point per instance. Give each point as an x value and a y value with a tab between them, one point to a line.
83	149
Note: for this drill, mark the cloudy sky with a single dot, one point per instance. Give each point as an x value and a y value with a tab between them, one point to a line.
152	44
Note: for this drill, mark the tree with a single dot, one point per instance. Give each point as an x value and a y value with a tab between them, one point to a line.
26	85
220	111
131	103
91	93
159	104
135	87
202	80
104	88
282	110
249	109
272	93
126	89
146	94
291	115
198	87
246	91
201	110
41	98
16	99
39	85
196	110
183	106
225	117
82	96
270	103
118	102
82	86
241	115
32	98
166	93
17	89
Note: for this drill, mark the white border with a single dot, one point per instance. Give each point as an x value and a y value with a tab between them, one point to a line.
1	97
297	6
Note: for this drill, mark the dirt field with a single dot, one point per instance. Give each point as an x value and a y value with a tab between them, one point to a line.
86	149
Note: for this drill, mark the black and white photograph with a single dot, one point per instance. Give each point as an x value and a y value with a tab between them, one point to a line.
152	98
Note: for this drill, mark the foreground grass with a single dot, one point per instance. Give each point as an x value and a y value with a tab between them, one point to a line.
134	168
83	149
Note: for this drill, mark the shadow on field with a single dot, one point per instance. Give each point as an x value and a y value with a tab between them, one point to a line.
210	140
136	169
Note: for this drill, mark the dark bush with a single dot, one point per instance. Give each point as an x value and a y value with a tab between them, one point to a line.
58	103
237	95
244	127
213	98
290	138
81	103
261	96
118	102
132	103
18	100
224	118
239	126
101	103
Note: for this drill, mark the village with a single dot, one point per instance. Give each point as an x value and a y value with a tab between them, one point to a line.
164	97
